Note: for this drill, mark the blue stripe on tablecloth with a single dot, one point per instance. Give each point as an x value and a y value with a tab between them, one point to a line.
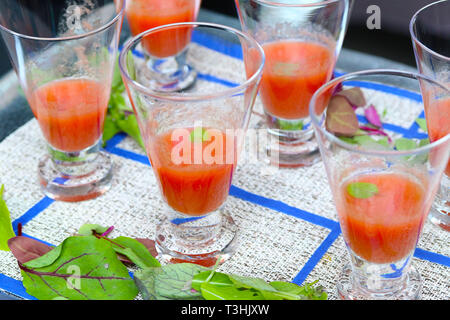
217	44
282	207
210	78
317	255
14	286
432	257
32	212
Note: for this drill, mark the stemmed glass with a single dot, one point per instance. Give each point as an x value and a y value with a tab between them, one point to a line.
383	184
166	53
64	54
430	33
193	137
302	41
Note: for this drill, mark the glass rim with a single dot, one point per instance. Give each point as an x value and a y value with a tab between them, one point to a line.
373	72
171	96
116	17
413	33
298	5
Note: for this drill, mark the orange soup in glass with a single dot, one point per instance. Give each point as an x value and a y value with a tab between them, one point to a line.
147	14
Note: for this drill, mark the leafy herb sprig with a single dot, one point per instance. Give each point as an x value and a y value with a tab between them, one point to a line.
92	265
342	121
120	116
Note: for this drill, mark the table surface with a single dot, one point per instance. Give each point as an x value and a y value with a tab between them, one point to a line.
15	112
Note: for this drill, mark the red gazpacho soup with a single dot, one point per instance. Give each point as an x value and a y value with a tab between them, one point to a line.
383	227
293	71
71	112
147	14
194	175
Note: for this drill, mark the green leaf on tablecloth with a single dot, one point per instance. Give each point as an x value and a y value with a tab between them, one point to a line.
171	281
135	251
89	229
221	286
81	267
6	230
308	291
212	292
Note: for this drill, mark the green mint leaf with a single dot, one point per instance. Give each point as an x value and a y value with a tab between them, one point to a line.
6	230
423	142
117	83
81	267
362	190
290	125
130	126
402	144
422	124
199	134
286	68
349	140
110	129
369	142
131	66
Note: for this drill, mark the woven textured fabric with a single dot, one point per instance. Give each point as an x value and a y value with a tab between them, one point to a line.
288	225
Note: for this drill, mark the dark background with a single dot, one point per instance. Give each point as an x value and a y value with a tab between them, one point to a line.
392	41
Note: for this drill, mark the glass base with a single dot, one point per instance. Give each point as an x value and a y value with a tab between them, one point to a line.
170	74
70	185
200	240
349	289
291	148
440	217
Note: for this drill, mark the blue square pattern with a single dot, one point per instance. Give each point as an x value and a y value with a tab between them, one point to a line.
15	286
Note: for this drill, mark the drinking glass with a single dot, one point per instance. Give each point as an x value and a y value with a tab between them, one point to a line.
64	53
166	53
302	41
383	184
193	137
430	33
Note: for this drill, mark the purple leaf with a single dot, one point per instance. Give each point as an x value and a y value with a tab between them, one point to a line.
25	249
354	96
341	119
372	116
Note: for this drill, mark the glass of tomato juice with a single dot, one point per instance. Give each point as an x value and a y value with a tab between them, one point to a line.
302	41
64	54
430	33
166	52
383	185
193	138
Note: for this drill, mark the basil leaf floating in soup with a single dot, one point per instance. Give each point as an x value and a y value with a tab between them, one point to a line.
286	68
362	190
